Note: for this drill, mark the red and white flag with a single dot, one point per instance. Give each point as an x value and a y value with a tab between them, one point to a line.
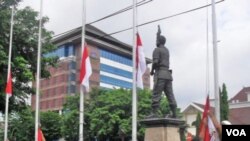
86	69
208	131
204	130
8	89
140	62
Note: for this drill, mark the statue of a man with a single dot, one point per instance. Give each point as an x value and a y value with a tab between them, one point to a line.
162	77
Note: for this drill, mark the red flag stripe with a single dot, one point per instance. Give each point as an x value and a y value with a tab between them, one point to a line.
204	130
8	89
83	65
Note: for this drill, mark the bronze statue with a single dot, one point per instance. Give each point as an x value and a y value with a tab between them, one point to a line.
162	77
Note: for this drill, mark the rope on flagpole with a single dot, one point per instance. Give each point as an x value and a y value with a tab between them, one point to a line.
215	55
207	55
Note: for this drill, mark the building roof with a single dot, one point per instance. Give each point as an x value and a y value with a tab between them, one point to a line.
241	96
194	105
97	36
239	115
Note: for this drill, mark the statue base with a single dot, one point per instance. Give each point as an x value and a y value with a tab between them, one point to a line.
162	129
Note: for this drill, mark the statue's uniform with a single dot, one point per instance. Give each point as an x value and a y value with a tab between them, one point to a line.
162	78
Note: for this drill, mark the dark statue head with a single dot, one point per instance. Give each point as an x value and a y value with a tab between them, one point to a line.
161	40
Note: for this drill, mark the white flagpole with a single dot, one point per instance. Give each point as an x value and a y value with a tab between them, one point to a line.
38	72
81	133
9	61
216	81
134	95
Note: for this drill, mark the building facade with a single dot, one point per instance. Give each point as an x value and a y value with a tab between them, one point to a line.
111	62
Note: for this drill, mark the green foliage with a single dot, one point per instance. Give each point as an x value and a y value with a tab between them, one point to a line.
197	123
224	107
51	125
22	125
70	119
24	52
108	114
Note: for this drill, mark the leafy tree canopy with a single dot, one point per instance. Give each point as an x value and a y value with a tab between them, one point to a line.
24	52
108	114
51	123
22	125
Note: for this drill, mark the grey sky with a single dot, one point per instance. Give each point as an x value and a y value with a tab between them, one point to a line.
186	37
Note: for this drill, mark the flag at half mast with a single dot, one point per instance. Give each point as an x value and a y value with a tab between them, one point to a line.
8	89
86	69
140	62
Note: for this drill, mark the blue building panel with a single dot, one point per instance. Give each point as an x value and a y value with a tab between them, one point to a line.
115	57
116	71
115	82
62	51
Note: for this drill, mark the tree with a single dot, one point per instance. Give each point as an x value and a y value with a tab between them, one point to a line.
224	107
108	114
70	119
21	125
24	52
197	123
51	125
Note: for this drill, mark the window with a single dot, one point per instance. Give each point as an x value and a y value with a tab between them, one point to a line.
115	82
71	89
72	77
62	51
72	65
115	57
113	70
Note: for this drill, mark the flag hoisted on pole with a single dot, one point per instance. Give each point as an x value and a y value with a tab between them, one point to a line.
85	72
38	71
204	131
140	62
86	69
216	77
8	89
208	131
134	95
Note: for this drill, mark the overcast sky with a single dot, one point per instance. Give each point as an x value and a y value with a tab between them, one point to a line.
186	37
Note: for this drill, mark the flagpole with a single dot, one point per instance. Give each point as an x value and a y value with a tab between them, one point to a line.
38	71
81	126
216	81
8	75
134	95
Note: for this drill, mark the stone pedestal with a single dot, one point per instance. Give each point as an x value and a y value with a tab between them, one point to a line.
162	129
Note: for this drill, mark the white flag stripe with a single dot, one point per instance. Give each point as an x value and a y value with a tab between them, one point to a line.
212	130
141	65
85	80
